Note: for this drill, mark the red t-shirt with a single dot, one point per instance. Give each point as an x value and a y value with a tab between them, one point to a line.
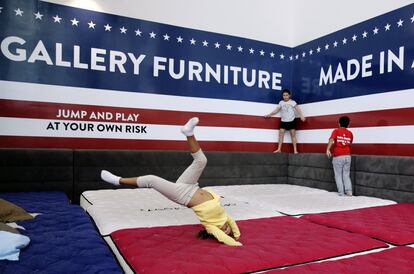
342	140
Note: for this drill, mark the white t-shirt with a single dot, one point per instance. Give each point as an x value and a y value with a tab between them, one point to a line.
287	111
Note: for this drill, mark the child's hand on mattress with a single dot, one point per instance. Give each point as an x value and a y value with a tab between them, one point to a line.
237	244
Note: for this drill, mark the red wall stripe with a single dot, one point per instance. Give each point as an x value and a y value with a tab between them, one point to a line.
84	143
377	118
41	110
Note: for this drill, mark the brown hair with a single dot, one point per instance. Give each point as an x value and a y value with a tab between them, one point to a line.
203	234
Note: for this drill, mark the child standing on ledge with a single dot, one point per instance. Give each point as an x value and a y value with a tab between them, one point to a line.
341	139
287	108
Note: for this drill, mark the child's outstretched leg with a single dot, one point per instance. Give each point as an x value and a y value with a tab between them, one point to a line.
193	172
179	193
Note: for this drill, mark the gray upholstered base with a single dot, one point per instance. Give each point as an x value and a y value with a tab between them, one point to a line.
223	168
36	170
314	170
385	177
74	171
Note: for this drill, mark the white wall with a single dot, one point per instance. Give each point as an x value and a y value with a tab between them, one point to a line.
262	20
316	18
288	22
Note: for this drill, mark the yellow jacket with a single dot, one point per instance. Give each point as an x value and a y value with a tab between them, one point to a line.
213	216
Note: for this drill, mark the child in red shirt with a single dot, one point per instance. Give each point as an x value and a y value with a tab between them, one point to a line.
341	139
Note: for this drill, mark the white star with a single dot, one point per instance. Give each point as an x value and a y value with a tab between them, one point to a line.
205	43
400	23
262	53
107	27
91	25
166	37
19	12
1	8
56	19
152	34
387	27
228	46
251	51
310	52
282	56
38	15
272	54
326	46
354	38
412	19
291	58
138	32
375	30
179	39
123	30
217	45
192	41
239	49
303	54
335	44
318	49
74	22
296	57
344	41
364	34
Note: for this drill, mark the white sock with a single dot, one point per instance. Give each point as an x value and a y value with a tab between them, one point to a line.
110	178
188	128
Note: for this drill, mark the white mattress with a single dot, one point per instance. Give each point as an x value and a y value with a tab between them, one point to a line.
143	198
129	208
111	218
247	192
119	257
300	204
149	198
112	210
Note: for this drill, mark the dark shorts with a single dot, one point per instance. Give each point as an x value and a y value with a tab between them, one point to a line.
288	125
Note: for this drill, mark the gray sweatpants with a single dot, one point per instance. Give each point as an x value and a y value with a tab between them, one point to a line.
342	167
184	188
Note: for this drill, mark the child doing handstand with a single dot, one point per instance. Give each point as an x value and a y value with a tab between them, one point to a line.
185	191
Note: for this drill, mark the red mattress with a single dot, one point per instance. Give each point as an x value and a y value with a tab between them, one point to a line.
268	243
392	223
395	260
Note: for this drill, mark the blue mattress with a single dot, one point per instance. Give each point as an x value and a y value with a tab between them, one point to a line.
63	238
